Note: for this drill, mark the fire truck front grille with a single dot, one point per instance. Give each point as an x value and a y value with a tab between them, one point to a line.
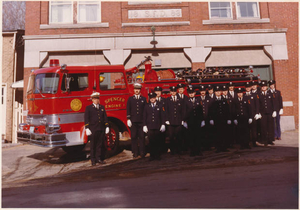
46	140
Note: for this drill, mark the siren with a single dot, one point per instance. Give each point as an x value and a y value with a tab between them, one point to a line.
54	62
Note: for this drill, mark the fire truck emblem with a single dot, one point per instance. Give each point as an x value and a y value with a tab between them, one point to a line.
76	105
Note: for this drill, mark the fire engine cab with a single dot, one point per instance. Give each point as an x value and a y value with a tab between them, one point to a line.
56	98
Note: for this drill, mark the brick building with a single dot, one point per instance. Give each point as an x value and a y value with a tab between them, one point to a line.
12	77
189	35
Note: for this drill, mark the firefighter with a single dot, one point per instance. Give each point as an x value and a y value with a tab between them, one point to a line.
193	118
232	90
154	119
162	101
254	104
135	110
231	129
184	144
206	129
255	92
210	90
175	113
278	106
242	119
267	111
96	122
220	117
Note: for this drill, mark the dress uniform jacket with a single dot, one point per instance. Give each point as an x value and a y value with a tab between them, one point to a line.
277	99
95	119
205	102
154	117
254	103
161	101
194	114
266	103
135	108
175	111
219	110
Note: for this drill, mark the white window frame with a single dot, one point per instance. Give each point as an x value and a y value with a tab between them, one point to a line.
153	2
237	12
50	13
227	18
99	14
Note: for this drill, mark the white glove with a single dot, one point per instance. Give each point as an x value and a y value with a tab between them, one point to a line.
256	117
229	122
162	128
145	129
281	112
202	123
211	122
129	123
106	130
274	114
88	132
250	121
167	123
259	116
185	125
235	122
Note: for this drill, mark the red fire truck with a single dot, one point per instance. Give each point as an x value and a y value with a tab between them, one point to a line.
56	98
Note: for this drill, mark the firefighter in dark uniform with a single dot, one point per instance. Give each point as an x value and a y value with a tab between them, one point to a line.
162	101
184	144
175	113
267	111
278	106
220	117
206	128
96	123
194	119
232	90
242	119
254	104
231	129
135	111
210	92
154	119
255	92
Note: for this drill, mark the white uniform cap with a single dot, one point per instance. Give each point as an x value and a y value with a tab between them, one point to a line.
95	95
137	86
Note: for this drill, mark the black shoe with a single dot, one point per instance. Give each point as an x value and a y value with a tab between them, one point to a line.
271	143
151	158
279	138
93	163
255	145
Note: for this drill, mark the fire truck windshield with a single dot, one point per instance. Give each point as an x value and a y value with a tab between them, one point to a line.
44	83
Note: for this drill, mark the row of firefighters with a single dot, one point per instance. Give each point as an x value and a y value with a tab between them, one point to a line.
220	117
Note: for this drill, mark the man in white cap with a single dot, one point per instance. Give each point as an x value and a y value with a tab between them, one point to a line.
135	110
96	122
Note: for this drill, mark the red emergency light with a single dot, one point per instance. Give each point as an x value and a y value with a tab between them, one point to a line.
54	62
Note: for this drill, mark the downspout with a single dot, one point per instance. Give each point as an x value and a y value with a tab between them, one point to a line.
14	137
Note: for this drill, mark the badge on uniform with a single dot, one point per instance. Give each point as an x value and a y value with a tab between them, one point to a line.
251	97
157	109
102	110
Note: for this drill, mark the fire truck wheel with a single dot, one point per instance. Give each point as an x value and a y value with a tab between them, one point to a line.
112	141
74	149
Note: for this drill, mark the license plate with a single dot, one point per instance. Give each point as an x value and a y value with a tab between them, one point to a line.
31	130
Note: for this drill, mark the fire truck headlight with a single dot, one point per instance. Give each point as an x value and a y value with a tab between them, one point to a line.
52	128
29	120
21	126
43	121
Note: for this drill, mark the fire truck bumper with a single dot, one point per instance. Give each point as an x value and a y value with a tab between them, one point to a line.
45	140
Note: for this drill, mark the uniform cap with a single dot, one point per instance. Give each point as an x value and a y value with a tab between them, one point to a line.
217	88
157	88
271	82
137	86
95	95
231	84
202	88
248	84
173	88
264	83
239	90
224	87
210	87
253	82
180	85
190	89
152	95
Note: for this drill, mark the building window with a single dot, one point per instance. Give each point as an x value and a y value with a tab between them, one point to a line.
220	10
89	11
61	12
247	10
